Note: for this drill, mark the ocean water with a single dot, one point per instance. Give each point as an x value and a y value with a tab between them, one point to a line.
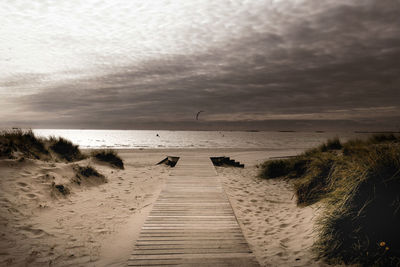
127	139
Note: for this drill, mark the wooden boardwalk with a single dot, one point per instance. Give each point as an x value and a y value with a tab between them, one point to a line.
192	223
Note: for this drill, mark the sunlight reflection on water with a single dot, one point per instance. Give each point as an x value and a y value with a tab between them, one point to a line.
193	139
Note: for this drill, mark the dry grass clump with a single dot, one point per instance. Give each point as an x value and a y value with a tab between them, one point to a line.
24	142
88	174
87	171
331	144
276	168
18	142
291	168
109	156
315	182
65	149
360	185
60	188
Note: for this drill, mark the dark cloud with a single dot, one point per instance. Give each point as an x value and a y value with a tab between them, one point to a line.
321	61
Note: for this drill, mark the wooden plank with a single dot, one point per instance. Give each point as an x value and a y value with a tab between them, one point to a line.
194	256
191	243
192	248
138	251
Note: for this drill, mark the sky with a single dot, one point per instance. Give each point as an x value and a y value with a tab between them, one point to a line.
248	64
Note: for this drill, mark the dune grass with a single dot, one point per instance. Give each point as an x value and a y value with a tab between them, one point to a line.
291	168
18	142
87	171
331	144
65	149
359	184
64	190
24	142
109	156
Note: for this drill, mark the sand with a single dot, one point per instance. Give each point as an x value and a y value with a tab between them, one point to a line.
97	223
278	231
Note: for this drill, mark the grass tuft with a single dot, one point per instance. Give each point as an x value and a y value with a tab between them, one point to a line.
276	168
383	138
17	142
61	188
331	144
88	171
21	141
290	168
109	156
88	174
65	149
315	181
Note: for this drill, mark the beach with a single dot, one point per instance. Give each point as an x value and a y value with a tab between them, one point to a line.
97	223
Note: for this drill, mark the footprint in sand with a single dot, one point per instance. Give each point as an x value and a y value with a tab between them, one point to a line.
32	232
32	196
25	189
284	240
22	184
26	173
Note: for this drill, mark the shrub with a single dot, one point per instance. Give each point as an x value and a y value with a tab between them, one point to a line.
109	156
65	149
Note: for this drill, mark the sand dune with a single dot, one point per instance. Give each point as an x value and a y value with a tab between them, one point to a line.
98	223
40	226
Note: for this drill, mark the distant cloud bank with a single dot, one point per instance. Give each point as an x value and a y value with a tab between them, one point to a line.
154	64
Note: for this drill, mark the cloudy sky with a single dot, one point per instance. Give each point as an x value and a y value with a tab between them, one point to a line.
254	64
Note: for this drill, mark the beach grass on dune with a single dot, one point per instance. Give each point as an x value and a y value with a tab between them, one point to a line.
23	142
63	189
16	143
110	156
358	182
87	171
84	174
65	149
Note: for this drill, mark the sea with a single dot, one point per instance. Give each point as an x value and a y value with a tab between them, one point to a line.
163	139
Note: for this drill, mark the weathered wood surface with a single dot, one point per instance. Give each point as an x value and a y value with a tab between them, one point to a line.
192	223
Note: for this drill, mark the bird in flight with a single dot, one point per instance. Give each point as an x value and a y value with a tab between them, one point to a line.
197	115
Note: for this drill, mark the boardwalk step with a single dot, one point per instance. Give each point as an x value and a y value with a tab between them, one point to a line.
226	161
170	161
